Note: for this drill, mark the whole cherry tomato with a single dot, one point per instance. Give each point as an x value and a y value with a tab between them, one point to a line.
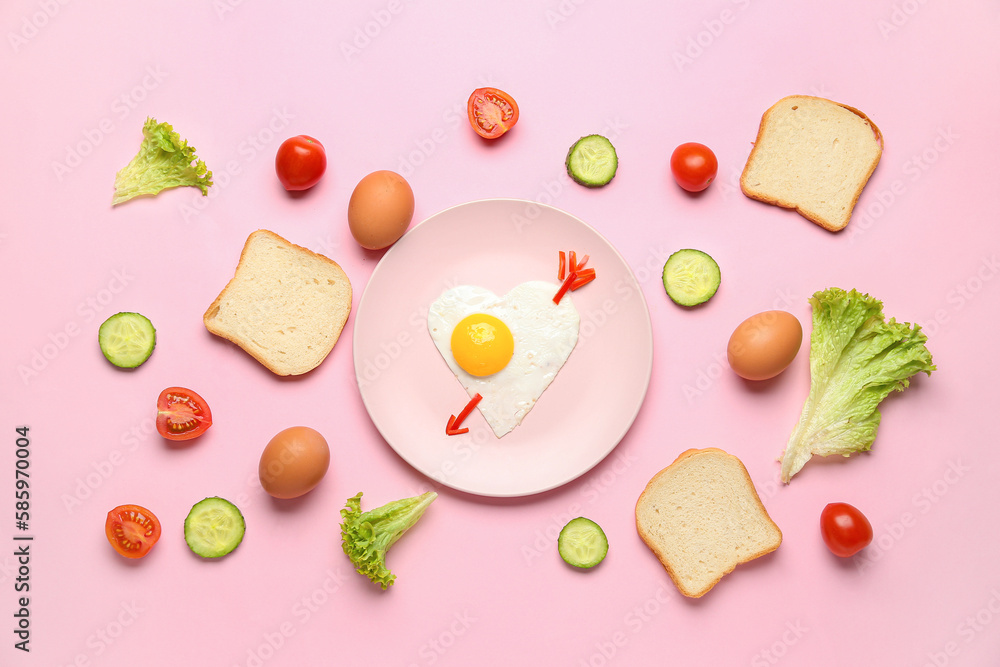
845	529
300	162
694	166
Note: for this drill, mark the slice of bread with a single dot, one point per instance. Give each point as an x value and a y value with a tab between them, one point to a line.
702	517
285	305
814	156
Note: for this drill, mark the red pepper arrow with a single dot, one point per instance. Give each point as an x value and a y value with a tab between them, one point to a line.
454	423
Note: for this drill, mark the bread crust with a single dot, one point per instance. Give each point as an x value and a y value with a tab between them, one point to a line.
209	317
651	541
784	203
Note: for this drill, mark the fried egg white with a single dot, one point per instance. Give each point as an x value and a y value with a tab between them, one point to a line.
544	334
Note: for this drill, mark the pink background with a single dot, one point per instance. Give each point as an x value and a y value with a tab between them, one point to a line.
383	84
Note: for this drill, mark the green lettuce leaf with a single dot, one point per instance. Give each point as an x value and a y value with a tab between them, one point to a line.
856	358
367	536
164	161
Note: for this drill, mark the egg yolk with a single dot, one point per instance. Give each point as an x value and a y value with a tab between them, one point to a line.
482	345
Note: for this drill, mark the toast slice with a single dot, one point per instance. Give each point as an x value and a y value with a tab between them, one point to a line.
702	517
812	155
285	305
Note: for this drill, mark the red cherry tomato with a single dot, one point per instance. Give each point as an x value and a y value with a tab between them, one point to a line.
492	112
300	163
132	530
694	166
845	529
181	414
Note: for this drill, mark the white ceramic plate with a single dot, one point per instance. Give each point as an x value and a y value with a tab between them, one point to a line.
410	392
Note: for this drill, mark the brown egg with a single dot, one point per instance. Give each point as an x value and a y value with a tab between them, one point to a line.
294	462
380	209
764	345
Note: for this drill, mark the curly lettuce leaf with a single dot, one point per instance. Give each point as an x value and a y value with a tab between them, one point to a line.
164	161
367	536
856	359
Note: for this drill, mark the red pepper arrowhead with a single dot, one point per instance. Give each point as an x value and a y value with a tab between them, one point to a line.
454	423
451	428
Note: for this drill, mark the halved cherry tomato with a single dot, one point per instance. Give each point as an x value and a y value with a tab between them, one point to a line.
181	414
694	166
300	162
132	530
492	112
845	529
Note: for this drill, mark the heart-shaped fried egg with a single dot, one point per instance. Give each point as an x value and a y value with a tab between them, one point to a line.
508	349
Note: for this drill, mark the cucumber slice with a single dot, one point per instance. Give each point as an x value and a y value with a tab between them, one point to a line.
127	339
214	527
691	277
592	161
582	543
